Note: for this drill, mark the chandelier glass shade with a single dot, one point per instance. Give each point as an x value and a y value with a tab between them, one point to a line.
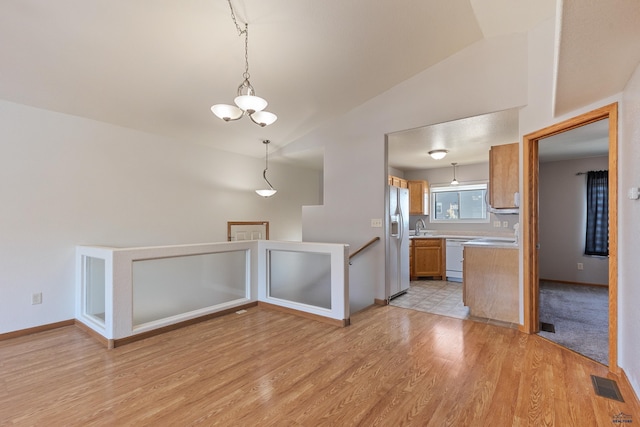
247	103
438	154
267	192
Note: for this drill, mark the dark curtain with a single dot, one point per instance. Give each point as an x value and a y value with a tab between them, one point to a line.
597	242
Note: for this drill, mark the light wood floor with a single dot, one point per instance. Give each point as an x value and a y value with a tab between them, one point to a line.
391	367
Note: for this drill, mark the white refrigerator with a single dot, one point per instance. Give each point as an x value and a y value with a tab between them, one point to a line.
398	255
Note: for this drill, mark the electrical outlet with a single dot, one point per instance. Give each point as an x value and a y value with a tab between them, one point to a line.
36	298
376	223
505	224
496	223
580	266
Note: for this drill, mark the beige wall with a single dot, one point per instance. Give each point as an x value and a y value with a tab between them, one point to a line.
562	210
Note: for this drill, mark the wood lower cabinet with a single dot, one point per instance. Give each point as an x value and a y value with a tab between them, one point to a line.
490	283
428	258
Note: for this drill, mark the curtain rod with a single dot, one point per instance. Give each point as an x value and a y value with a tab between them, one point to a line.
584	173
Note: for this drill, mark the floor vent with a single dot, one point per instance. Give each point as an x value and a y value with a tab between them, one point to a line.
547	327
606	388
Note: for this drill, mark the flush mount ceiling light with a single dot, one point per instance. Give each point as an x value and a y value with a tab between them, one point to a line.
269	191
455	181
438	154
247	103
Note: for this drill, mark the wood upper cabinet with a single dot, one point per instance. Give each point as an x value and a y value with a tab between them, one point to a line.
418	197
428	258
398	182
503	175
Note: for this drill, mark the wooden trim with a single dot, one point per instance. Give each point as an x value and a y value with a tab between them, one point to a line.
569	282
613	239
335	322
530	220
365	246
35	329
127	340
377	301
108	343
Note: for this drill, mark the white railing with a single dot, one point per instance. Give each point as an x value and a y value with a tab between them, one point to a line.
123	292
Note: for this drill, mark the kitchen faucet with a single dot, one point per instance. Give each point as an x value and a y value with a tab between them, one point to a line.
420	223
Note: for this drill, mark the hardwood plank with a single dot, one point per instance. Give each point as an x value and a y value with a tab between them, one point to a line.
391	366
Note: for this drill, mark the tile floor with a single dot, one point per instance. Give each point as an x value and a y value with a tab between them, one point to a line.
440	297
434	296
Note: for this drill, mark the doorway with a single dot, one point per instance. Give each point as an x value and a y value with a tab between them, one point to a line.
530	220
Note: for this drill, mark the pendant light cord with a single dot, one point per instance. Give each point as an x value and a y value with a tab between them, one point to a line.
246	41
266	164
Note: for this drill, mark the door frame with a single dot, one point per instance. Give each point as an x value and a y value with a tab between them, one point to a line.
530	232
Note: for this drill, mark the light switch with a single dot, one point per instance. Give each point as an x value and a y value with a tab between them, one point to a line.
634	193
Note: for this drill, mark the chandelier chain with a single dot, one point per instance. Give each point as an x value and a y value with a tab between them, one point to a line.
246	40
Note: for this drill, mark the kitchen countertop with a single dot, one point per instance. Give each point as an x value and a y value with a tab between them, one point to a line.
493	243
498	240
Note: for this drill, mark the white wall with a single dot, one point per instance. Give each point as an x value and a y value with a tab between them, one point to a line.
488	76
629	233
562	219
68	181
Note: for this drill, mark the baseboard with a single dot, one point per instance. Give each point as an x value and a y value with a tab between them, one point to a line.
568	282
627	384
96	336
381	301
335	322
36	329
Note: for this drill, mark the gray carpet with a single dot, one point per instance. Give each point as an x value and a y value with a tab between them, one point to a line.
580	315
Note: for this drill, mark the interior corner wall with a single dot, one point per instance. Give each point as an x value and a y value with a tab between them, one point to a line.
562	222
487	76
71	181
628	232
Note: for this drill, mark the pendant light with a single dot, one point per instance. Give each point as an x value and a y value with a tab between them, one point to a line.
247	103
438	154
455	181
269	191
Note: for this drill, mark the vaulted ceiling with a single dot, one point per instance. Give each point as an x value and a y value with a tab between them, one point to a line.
158	65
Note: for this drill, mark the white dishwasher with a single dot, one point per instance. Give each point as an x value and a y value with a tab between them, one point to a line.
454	259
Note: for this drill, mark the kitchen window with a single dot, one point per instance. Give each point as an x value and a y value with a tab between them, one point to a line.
459	203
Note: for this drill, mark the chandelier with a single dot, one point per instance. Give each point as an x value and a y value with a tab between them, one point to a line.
247	103
268	192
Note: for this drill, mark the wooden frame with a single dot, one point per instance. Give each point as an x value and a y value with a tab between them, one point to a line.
241	223
529	220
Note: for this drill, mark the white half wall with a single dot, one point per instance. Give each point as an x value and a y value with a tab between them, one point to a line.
70	181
